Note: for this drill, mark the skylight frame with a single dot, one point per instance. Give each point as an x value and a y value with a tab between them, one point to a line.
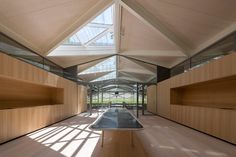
104	27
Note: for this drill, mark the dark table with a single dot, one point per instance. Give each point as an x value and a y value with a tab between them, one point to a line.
116	119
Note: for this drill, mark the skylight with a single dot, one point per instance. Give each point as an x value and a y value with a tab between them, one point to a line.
106	40
99	30
104	66
96	37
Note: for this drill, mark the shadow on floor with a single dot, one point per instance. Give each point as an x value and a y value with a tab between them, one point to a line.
71	138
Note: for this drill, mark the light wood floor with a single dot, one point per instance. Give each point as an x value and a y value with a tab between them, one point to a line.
160	138
164	138
71	138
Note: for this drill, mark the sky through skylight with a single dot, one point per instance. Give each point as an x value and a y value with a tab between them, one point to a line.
98	32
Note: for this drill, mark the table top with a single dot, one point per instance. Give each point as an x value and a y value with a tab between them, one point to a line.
116	119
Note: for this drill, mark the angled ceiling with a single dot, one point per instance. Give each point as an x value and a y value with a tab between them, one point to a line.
161	32
117	68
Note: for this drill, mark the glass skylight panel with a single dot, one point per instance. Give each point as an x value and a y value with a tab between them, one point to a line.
107	65
107	40
92	31
74	40
88	33
109	76
106	17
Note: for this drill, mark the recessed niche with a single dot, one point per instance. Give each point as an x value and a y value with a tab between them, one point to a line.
17	93
220	93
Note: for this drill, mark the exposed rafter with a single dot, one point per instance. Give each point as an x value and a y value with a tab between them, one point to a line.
68	61
215	38
19	38
102	58
73	50
141	13
78	24
125	87
154	53
139	60
99	25
137	71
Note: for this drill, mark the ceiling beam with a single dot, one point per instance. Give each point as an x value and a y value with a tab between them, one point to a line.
94	11
99	25
137	71
19	38
141	13
123	85
76	60
73	50
117	86
131	58
78	48
154	53
215	38
102	58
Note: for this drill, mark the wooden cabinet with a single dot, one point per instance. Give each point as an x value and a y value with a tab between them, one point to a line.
203	98
49	98
214	121
16	93
218	93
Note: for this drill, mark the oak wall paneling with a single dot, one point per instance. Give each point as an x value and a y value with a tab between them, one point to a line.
82	98
152	99
163	98
203	98
19	121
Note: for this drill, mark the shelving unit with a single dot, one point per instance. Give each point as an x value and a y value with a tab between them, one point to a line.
218	93
17	93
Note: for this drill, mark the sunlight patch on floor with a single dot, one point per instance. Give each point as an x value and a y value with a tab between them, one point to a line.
89	146
70	139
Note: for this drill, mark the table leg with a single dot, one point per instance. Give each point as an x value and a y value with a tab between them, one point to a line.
102	138
131	138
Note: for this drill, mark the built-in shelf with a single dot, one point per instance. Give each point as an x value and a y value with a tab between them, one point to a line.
220	93
17	93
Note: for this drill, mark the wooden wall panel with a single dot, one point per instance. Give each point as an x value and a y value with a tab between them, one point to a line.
215	69
216	122
163	98
232	127
219	121
218	93
19	121
151	99
82	98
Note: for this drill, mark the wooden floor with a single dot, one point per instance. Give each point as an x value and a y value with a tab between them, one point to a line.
164	138
160	138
